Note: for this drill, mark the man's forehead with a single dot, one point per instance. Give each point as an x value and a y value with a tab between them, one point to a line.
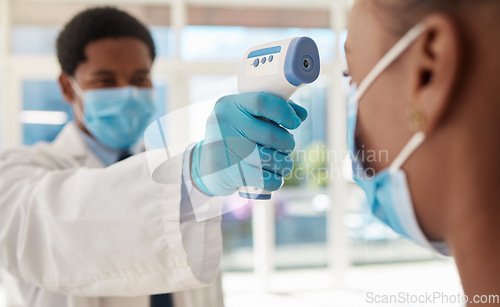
114	50
104	72
116	56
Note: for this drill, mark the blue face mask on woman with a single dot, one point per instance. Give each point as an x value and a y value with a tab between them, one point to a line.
116	117
387	192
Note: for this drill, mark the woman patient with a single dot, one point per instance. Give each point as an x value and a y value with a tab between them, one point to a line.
426	77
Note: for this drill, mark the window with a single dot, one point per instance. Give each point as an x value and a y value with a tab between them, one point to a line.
41	40
225	44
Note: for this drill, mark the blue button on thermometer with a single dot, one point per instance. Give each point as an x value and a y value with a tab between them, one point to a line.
291	64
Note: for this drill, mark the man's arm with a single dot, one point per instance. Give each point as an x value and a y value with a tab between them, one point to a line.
94	232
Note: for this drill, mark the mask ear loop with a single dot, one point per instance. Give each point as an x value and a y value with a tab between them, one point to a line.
407	151
78	90
419	137
388	59
381	66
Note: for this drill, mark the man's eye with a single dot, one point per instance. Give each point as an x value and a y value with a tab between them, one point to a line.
141	81
106	82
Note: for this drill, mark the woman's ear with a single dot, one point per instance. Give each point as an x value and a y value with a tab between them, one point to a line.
67	90
437	64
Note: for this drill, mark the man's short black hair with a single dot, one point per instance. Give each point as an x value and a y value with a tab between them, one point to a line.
94	24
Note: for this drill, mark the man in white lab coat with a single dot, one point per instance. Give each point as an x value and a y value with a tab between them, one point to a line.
82	222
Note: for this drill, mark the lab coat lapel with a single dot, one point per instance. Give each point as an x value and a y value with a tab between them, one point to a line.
69	142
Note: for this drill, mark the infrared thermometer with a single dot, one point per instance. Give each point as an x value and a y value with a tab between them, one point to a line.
278	68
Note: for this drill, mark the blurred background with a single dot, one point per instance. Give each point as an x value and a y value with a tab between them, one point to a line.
316	244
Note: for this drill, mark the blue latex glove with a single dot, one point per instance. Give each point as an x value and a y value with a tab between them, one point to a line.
246	144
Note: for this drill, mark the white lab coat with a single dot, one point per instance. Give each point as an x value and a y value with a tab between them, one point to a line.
77	234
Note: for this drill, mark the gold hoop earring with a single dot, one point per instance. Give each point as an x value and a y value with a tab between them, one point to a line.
417	119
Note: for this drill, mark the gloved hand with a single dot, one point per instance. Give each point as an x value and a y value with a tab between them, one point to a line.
246	144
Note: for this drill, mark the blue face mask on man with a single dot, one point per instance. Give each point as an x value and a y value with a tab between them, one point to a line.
387	192
116	117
